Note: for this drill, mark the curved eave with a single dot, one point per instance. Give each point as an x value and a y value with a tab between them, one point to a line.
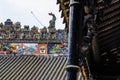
65	11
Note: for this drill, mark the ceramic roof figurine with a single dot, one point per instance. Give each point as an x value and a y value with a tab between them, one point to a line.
52	21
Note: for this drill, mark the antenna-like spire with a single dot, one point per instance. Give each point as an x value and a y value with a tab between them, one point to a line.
36	18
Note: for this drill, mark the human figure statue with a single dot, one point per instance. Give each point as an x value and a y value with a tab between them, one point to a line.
52	21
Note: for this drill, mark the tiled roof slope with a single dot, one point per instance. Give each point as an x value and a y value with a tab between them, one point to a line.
31	67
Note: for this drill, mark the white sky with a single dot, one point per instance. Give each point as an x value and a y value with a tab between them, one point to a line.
20	10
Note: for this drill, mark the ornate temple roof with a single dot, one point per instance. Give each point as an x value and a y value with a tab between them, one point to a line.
106	42
31	67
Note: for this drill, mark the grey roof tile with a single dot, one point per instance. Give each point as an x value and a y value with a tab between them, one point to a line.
31	67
